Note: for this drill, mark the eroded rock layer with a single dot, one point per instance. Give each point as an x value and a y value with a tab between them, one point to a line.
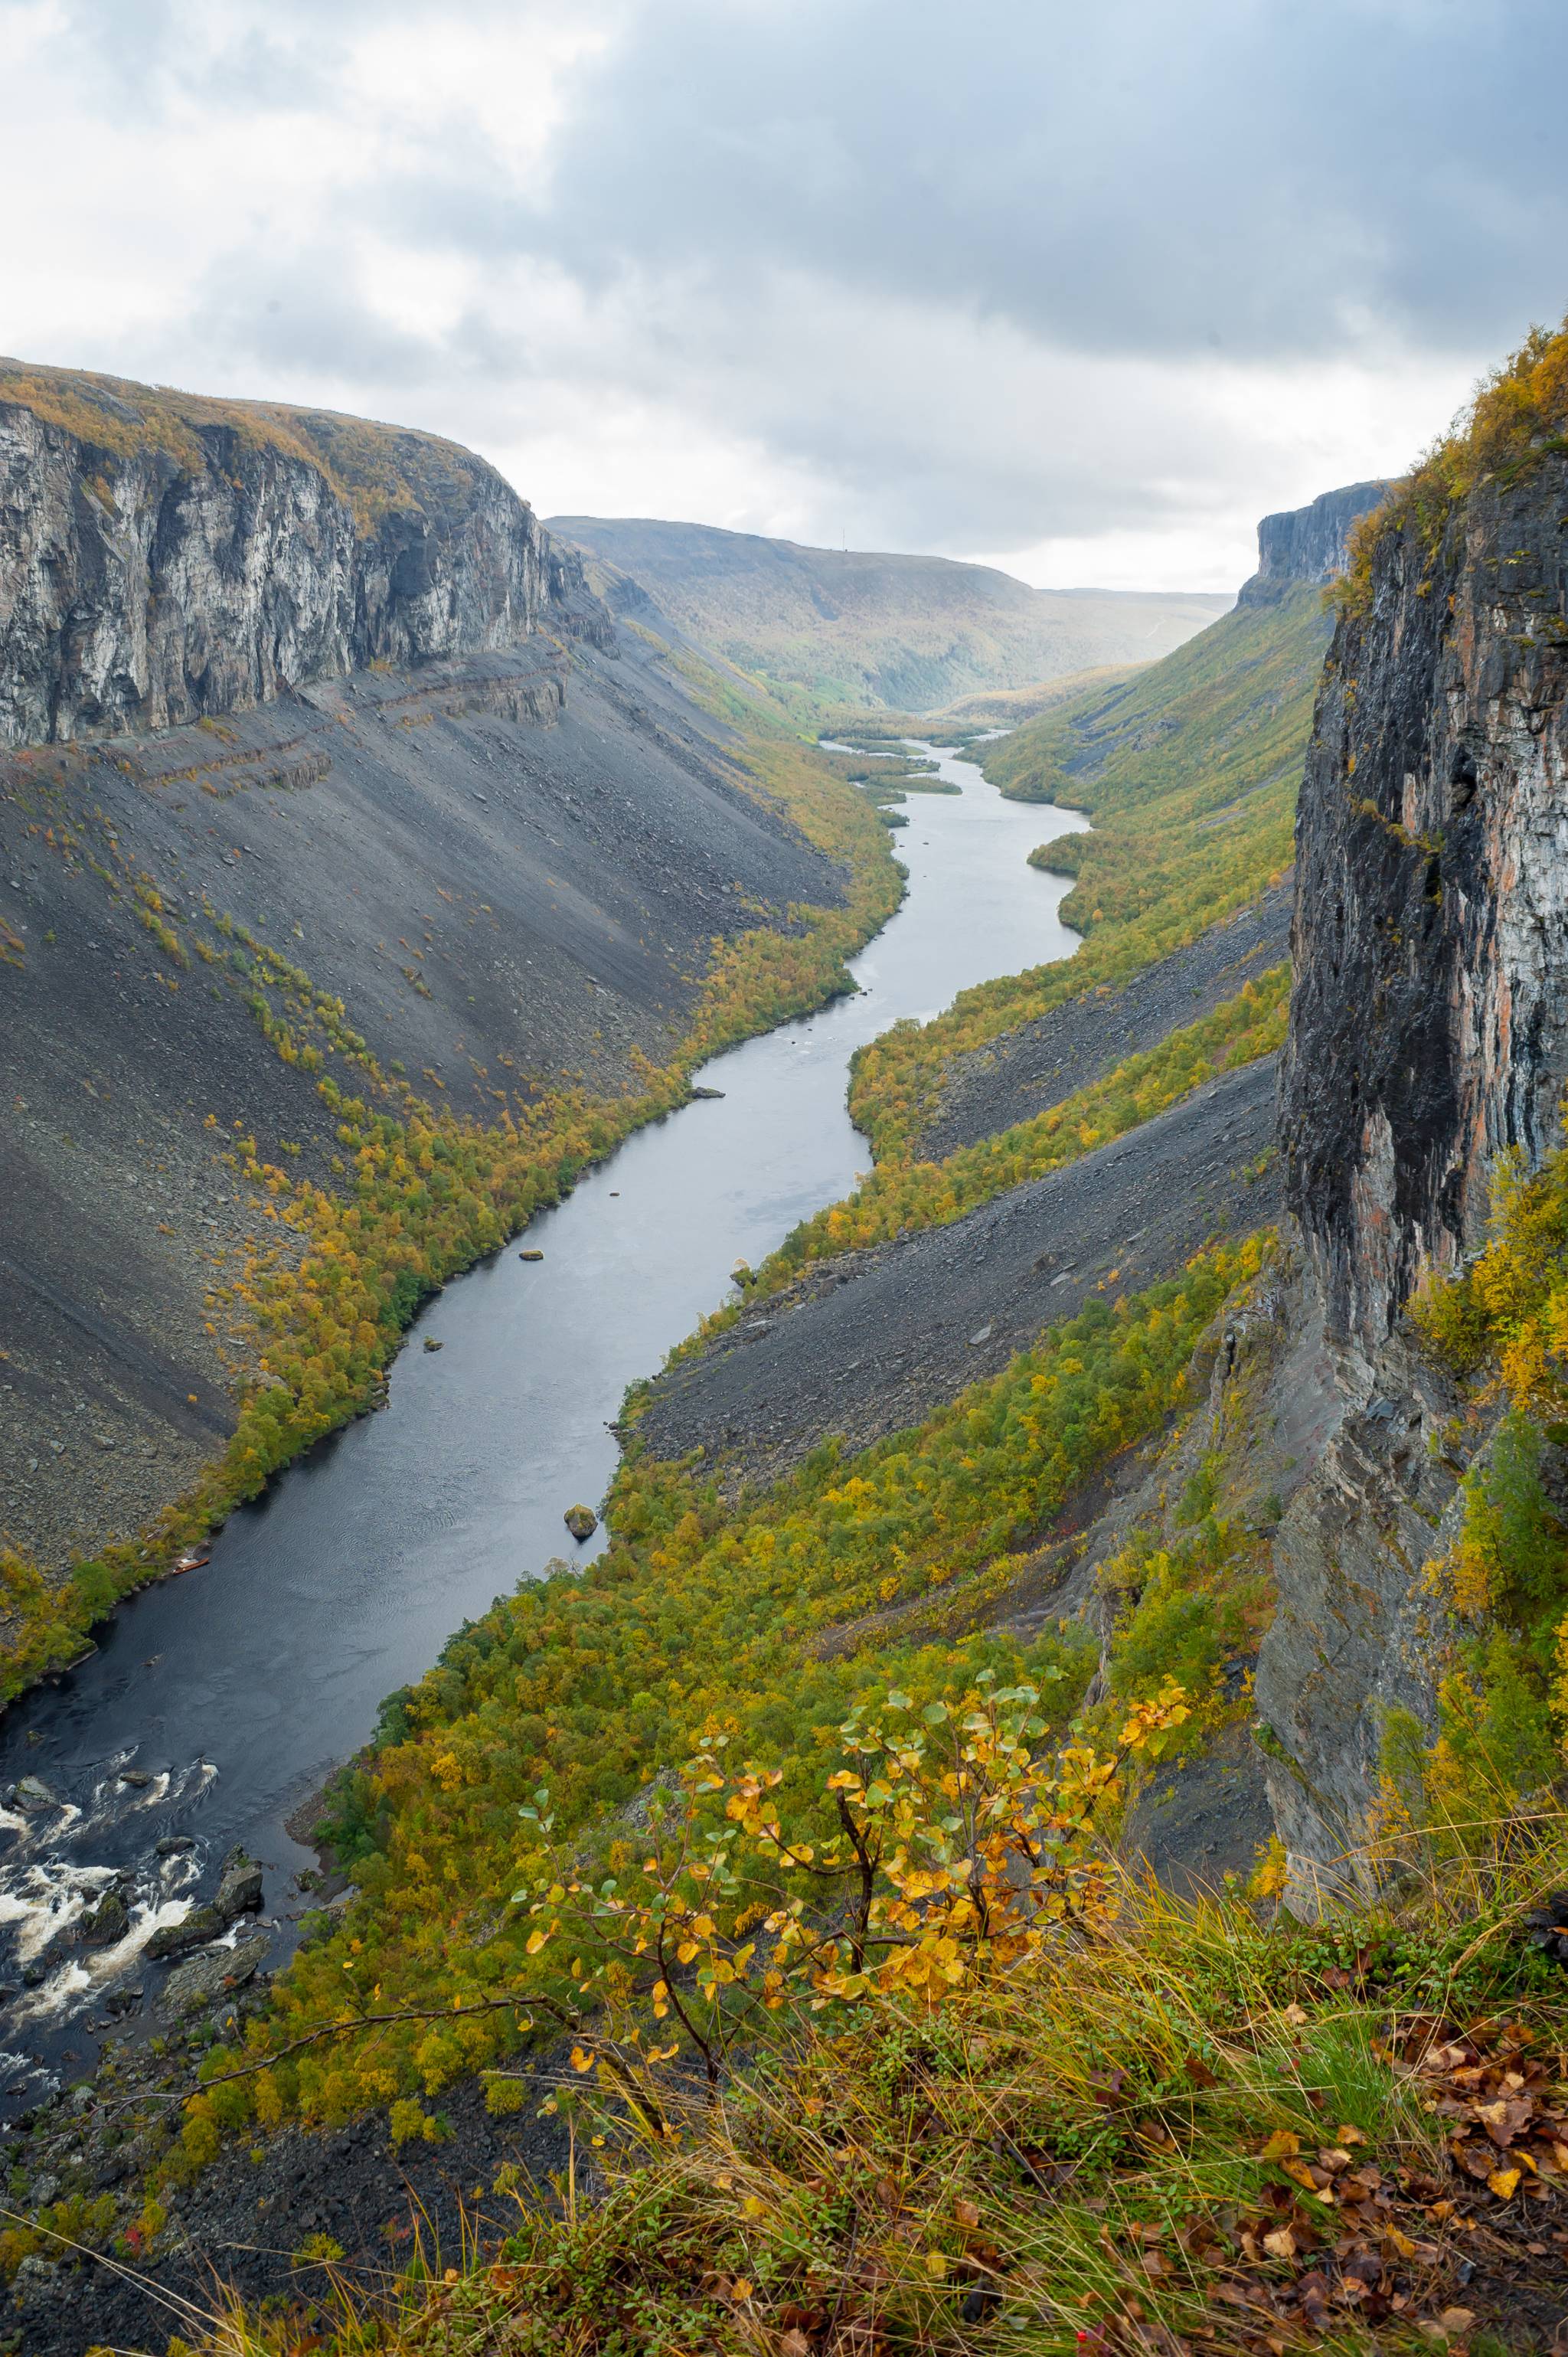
165	558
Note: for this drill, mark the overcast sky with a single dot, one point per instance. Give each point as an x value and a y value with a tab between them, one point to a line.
1080	288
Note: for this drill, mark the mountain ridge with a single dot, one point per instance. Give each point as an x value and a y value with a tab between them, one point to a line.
878	628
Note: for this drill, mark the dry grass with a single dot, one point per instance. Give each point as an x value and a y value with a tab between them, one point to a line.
1186	2131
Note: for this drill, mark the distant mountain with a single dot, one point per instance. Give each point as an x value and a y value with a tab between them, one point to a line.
909	633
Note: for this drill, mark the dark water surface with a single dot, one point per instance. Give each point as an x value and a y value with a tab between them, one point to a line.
237	1688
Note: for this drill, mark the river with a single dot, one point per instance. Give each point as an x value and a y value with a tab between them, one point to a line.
232	1692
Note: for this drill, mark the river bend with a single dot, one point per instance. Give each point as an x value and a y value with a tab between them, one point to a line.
231	1693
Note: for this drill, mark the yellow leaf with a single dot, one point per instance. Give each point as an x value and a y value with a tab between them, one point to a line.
751	2206
743	2286
536	1939
1282	2146
581	2059
1503	2182
685	1951
937	2263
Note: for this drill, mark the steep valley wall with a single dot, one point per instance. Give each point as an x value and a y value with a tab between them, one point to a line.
330	689
1428	1035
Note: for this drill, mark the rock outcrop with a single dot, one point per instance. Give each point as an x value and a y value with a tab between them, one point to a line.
1308	544
165	558
1429	1028
1429	1033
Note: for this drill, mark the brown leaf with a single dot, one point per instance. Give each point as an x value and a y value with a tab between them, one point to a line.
1281	2243
794	2344
1503	2120
966	2213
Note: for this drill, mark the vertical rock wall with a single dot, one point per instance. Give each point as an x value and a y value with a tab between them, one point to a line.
1429	1033
164	558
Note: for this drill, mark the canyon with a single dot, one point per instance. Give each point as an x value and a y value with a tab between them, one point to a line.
324	681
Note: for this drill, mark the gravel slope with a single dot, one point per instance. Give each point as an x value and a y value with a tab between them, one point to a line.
880	1339
1027	1072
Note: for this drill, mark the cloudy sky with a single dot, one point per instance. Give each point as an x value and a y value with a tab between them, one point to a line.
1081	289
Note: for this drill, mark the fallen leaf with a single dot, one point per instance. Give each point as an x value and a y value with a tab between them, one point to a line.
794	2344
1457	2320
1281	2243
1295	2015
966	2213
1281	2146
1503	2182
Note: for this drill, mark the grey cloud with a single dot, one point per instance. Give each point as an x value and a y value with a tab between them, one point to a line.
873	239
1131	177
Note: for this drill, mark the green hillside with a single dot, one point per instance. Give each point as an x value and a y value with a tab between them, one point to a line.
1213	735
859	628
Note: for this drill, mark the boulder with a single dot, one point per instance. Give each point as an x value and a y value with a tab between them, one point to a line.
432	1344
32	1793
581	1520
110	1920
531	1255
239	1891
710	1095
192	1931
222	1970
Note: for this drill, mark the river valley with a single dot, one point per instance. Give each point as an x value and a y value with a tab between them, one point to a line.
218	1703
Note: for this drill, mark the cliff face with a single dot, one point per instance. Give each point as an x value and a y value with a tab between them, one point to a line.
165	558
1429	1032
1307	543
1429	1028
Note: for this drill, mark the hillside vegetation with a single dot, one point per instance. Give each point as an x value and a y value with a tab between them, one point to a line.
1190	770
852	629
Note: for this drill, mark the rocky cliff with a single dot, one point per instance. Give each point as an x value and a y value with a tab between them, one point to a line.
165	558
1429	1034
1309	543
1429	1028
